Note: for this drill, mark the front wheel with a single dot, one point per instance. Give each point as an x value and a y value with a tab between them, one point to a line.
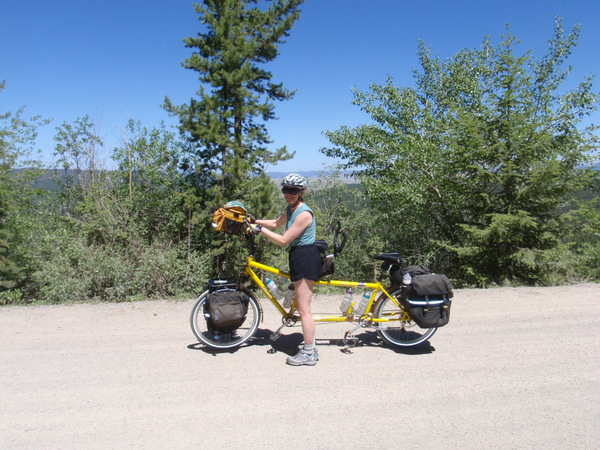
396	329
215	339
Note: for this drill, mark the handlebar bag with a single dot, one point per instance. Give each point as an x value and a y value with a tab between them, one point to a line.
229	218
429	299
226	310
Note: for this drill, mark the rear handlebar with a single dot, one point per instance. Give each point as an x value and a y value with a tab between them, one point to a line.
337	246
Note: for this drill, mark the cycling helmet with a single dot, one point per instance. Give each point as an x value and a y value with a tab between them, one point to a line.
294	180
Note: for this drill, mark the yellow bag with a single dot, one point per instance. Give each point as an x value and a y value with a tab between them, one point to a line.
229	218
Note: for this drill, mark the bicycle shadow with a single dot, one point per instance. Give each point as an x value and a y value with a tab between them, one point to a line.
286	343
199	346
371	339
290	344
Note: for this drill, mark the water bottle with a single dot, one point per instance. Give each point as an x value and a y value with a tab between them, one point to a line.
347	301
274	289
362	306
406	279
289	296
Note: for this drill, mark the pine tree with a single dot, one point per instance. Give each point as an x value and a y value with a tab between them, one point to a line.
224	126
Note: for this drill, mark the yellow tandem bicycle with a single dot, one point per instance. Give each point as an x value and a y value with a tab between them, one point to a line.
384	312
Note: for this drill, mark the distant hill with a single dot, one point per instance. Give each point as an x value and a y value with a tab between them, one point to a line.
305	173
46	180
313	175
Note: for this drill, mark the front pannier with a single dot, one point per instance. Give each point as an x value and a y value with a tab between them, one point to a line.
226	307
429	299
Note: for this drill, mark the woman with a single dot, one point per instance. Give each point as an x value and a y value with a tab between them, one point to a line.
304	258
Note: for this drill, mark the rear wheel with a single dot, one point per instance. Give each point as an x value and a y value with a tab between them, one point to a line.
215	339
395	330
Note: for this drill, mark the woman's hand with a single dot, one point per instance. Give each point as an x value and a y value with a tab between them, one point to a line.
254	228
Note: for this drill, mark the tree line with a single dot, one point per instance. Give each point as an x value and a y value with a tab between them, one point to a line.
481	169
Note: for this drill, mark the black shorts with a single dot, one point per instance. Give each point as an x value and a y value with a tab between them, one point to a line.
305	262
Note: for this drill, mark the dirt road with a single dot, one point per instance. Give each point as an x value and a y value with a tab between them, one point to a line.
515	368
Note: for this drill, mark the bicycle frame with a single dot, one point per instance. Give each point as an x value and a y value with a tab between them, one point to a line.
383	312
377	287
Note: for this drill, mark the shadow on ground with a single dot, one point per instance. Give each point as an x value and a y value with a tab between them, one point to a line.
290	344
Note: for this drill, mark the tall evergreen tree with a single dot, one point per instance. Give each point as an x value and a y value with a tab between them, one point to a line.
224	126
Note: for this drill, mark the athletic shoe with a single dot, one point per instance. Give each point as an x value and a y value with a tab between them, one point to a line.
315	350
303	358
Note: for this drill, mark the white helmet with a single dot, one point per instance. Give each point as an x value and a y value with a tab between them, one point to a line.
294	180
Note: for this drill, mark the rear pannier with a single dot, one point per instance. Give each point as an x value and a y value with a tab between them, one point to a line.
396	273
428	300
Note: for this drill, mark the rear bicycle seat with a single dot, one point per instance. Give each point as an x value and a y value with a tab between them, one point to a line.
391	257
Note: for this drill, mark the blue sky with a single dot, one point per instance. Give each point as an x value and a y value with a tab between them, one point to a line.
116	60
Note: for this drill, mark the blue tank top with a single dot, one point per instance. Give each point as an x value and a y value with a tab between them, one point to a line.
309	234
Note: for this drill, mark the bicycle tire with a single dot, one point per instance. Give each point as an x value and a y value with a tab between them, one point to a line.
218	340
397	332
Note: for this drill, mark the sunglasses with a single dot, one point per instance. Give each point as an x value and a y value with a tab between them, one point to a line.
291	190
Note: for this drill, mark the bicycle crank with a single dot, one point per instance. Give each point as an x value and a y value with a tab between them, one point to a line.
274	336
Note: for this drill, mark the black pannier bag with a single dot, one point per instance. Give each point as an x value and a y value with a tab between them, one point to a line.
226	307
428	300
327	262
396	273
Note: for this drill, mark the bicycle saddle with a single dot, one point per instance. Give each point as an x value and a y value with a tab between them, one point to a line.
391	257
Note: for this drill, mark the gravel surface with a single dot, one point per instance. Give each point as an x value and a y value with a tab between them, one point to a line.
515	368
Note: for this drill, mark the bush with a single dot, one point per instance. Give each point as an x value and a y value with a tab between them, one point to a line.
11	297
75	271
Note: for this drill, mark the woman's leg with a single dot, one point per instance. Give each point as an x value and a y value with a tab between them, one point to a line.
304	292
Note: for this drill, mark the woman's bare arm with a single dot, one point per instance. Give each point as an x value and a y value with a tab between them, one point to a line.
301	223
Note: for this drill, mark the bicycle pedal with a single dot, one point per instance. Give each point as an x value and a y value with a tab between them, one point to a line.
274	336
346	350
